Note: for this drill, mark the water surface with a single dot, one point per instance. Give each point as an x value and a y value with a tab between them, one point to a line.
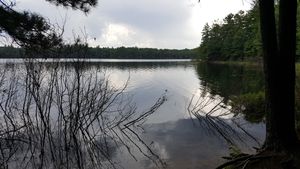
171	132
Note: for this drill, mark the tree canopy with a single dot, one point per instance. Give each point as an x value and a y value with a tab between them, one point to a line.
75	51
32	30
236	37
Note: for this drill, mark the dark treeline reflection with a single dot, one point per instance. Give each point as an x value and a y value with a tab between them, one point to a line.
57	115
85	66
140	65
228	80
240	86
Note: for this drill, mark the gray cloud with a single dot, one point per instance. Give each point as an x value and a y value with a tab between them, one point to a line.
144	23
149	15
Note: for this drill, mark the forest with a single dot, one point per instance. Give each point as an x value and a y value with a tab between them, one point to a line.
71	51
237	37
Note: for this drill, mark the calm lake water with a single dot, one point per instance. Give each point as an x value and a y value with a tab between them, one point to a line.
171	131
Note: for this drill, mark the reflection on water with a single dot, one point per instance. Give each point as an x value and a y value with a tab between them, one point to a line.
185	144
148	81
170	131
227	80
181	142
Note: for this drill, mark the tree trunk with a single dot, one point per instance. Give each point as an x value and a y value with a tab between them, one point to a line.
287	55
279	68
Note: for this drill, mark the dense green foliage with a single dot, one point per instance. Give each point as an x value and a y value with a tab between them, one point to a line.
237	37
10	52
81	51
140	53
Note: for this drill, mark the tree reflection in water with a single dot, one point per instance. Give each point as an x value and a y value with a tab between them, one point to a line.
56	116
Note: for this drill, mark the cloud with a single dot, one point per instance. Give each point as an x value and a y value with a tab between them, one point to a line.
146	23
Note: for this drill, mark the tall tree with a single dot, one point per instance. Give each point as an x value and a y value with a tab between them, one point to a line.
32	30
234	38
279	51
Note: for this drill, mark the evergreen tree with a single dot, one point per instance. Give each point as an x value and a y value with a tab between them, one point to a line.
32	30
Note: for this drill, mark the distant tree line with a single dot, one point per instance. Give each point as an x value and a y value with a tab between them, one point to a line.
237	37
141	53
105	53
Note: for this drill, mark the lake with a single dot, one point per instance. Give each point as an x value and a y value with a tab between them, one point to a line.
179	138
175	136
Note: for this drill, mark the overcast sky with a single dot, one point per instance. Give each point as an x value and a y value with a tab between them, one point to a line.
142	23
